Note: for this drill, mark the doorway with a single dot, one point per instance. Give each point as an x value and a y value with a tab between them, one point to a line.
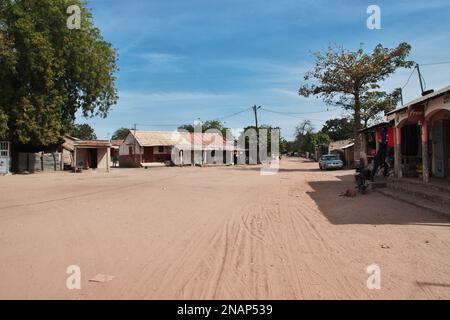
93	162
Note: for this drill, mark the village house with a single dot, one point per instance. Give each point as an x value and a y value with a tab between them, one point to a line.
143	148
422	136
345	149
417	136
92	154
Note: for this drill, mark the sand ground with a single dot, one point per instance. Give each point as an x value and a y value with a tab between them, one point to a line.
215	233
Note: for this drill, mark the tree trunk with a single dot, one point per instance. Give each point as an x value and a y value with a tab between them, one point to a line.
356	128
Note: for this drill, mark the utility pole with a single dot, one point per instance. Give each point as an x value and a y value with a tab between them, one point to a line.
401	96
255	110
420	78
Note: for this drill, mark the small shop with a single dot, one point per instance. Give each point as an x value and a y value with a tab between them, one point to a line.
92	154
422	134
375	139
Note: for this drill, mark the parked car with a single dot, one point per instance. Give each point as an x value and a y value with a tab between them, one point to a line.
330	161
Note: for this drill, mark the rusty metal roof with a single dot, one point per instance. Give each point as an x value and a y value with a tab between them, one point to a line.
92	144
182	140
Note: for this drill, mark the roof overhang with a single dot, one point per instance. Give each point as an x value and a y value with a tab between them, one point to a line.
92	144
422	100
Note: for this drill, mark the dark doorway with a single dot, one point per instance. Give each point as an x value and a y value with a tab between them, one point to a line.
410	140
93	158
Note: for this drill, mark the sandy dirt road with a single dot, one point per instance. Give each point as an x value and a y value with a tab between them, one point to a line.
215	233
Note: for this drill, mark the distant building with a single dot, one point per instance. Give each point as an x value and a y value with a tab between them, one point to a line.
115	148
180	148
92	154
345	149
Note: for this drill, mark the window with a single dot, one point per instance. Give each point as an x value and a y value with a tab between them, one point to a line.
161	149
4	149
330	158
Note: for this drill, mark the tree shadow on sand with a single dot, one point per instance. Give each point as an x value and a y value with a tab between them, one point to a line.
372	208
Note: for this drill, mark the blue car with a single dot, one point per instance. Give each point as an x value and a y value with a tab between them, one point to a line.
330	161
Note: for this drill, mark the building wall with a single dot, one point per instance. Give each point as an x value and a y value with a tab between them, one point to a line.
124	149
103	159
81	158
128	159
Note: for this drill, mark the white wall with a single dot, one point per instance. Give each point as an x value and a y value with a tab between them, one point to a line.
130	141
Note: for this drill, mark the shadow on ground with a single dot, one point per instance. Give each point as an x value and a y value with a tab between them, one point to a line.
372	208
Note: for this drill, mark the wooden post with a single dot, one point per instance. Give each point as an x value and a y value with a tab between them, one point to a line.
108	152
75	158
425	162
398	152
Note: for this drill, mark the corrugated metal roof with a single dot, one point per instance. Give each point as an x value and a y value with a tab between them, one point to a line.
422	99
348	146
181	140
376	126
92	144
116	143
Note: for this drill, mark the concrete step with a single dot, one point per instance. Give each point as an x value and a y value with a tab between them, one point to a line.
437	194
443	187
423	203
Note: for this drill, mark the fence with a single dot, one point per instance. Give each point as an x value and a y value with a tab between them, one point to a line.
37	162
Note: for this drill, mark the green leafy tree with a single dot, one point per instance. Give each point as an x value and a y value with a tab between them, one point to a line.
338	129
3	125
374	104
82	132
120	134
207	125
341	77
49	72
306	138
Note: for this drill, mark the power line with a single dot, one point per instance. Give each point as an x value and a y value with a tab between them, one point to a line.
186	122
300	113
292	116
234	114
409	78
435	63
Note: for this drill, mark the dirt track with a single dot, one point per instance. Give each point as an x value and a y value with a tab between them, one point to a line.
215	233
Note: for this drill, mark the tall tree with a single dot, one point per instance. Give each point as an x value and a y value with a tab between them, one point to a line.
341	77
48	72
120	134
82	131
300	133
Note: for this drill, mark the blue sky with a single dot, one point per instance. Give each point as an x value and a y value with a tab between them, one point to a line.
184	60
